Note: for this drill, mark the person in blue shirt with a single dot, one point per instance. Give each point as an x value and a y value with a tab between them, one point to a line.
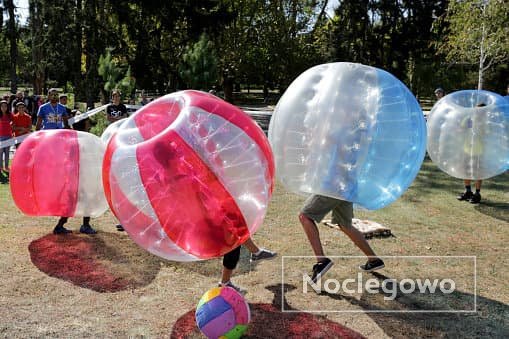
52	115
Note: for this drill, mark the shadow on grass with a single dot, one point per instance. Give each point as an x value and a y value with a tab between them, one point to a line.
497	210
490	320
431	180
213	267
268	321
105	262
110	262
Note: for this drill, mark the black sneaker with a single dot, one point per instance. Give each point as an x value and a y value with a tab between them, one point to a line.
476	198
371	266
263	255
467	195
321	268
120	228
61	230
87	229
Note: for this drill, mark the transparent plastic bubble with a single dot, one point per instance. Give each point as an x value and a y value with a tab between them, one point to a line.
348	131
189	176
468	134
58	173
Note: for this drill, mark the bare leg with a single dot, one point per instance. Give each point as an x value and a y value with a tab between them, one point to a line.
358	239
251	246
478	184
313	235
467	182
226	275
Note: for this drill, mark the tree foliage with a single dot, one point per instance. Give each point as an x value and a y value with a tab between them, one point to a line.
199	64
115	75
477	33
170	45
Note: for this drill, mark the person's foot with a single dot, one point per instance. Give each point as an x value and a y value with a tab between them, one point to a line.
87	229
264	254
120	228
476	198
320	268
235	287
373	265
467	195
59	229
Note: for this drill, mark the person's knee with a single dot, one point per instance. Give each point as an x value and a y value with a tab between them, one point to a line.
304	218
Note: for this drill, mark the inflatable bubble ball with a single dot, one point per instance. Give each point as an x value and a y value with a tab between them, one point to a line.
468	134
348	131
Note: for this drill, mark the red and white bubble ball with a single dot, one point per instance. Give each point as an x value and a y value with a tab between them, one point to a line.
58	173
189	176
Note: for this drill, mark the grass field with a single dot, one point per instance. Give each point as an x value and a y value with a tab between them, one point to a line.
106	286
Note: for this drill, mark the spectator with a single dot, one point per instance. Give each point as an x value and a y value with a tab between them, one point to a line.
52	115
116	110
82	125
144	99
21	121
18	98
29	104
5	134
439	93
62	99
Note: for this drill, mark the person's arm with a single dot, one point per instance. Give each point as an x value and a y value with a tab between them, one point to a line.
65	119
38	124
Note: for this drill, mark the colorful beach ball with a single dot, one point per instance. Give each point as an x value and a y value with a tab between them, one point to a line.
222	312
189	176
58	173
348	131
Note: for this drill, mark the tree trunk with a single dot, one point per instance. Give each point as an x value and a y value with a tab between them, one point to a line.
37	42
77	79
12	35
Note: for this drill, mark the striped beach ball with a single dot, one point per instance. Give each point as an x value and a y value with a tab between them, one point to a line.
189	176
222	312
58	173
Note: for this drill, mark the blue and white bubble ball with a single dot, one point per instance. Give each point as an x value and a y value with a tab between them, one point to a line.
468	134
348	131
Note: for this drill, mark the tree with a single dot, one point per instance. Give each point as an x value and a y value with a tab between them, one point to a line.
199	64
477	33
115	75
12	36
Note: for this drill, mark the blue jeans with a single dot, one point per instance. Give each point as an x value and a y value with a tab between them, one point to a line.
4	154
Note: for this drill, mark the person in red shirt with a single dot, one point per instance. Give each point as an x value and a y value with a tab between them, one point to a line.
21	121
5	133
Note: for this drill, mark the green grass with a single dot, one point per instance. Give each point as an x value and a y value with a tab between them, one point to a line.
158	295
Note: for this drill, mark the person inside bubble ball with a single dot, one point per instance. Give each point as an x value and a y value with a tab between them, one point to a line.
314	210
114	112
53	115
231	259
468	195
439	93
506	96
